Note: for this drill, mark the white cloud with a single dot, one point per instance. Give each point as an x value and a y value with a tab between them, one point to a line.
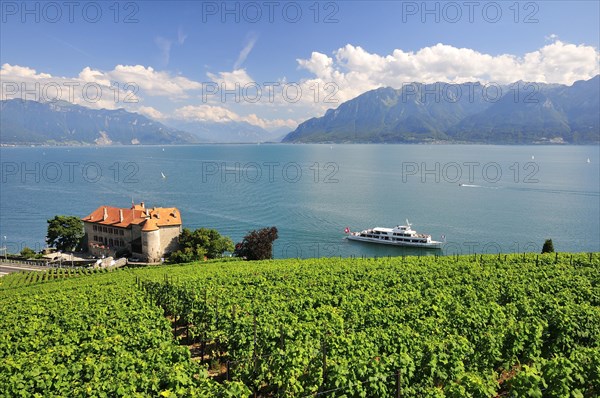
228	80
154	83
24	72
355	70
270	124
164	46
350	71
205	113
88	74
124	86
250	42
90	88
219	114
151	112
181	36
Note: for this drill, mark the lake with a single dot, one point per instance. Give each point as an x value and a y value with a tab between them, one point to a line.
511	199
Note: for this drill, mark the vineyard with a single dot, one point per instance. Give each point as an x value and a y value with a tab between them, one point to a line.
468	326
19	279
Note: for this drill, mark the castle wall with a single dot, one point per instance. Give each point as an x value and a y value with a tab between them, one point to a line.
111	238
151	245
169	239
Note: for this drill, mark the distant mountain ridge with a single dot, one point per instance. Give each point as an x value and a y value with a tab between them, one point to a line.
228	132
470	112
61	122
27	122
416	113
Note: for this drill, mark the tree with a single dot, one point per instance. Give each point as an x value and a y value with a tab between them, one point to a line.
65	233
200	243
257	245
548	246
187	255
27	252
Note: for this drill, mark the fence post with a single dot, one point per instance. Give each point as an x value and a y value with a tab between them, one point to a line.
399	384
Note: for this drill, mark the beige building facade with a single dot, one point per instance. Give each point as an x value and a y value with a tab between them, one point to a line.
147	233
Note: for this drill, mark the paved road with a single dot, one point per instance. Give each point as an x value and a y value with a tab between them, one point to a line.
6	268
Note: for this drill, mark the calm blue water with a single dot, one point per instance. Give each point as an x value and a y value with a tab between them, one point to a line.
510	202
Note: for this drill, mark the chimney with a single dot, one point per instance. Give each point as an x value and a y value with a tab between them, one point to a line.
120	215
105	215
147	213
142	204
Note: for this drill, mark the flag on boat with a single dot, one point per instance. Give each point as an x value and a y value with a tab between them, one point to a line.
347	230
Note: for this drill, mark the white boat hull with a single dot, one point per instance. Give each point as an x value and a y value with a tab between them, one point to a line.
429	245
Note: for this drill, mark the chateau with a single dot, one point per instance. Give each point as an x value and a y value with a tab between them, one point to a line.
149	234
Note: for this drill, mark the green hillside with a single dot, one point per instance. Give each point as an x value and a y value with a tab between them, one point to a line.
469	326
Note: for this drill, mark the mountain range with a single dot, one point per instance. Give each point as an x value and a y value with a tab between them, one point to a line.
27	122
61	122
228	132
518	113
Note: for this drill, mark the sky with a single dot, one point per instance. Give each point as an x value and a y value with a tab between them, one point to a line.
277	63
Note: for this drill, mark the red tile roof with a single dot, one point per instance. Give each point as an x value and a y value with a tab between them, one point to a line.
136	215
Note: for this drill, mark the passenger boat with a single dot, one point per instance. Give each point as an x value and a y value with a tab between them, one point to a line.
401	235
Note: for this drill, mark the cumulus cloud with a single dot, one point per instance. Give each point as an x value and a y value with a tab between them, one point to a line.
354	70
205	113
153	82
151	112
219	114
228	80
270	124
330	79
90	88
24	72
122	87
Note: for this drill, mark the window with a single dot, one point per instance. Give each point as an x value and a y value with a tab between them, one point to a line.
104	229
121	233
